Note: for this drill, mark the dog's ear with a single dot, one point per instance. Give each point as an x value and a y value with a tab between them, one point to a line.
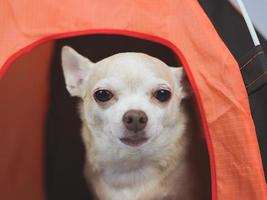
76	69
183	86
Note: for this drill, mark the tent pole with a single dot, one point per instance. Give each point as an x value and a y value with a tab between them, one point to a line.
249	23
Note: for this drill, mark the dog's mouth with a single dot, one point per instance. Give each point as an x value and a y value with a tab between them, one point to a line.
134	141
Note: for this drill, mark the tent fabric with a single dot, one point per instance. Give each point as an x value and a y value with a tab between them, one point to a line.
236	167
23	107
237	38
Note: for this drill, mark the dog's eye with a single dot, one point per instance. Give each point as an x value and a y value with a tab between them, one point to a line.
103	95
162	95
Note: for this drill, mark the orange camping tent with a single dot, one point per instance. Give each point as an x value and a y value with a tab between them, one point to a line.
181	25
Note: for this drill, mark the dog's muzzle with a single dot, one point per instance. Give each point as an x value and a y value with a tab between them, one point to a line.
135	122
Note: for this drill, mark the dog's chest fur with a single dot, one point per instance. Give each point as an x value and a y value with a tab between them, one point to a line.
170	178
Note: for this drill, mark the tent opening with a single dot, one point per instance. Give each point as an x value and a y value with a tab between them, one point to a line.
64	148
46	126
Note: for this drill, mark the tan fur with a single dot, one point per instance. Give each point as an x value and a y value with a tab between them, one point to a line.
173	174
162	168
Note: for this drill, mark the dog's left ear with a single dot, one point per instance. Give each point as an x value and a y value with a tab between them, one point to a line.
182	83
76	69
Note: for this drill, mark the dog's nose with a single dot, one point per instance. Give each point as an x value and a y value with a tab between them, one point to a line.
135	120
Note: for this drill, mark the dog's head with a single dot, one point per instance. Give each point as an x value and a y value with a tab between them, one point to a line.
131	101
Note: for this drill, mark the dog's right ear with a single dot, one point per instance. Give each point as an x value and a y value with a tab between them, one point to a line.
182	83
76	69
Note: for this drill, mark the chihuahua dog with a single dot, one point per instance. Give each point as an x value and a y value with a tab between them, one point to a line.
134	126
